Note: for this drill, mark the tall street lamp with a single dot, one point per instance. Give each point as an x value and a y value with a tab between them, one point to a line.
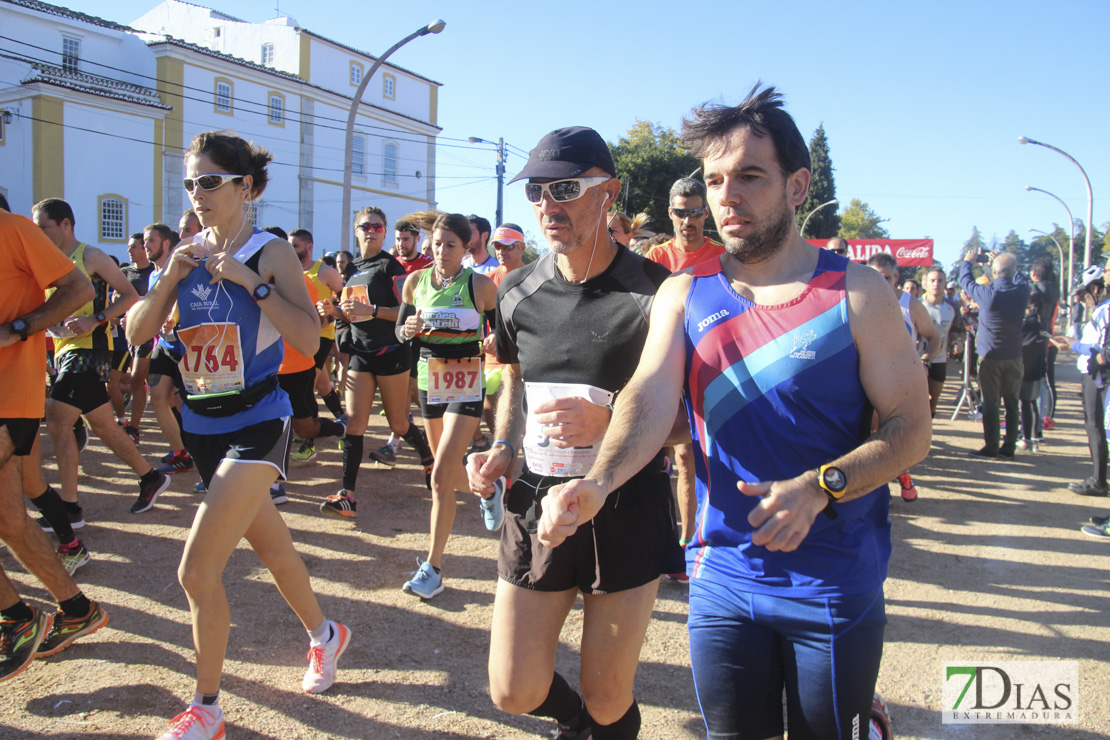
809	215
1090	198
500	172
345	214
1071	237
1063	295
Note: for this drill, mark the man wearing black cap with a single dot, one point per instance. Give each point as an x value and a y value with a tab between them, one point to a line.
570	329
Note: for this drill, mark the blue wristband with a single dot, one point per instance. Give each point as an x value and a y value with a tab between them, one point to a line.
512	450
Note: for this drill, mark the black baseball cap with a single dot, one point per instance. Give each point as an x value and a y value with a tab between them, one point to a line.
567	152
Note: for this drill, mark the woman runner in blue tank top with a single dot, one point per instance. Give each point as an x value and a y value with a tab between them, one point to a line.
238	292
443	305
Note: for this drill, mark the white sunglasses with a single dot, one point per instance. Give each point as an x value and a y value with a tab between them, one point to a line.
561	191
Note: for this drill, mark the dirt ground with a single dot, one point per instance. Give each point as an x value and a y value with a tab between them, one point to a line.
988	564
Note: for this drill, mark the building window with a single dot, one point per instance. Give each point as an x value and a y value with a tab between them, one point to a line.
389	163
223	96
267	54
358	156
216	32
113	218
356	74
389	86
277	109
71	53
252	210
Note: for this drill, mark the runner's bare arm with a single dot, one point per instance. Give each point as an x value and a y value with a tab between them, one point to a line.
101	265
289	308
73	290
145	319
330	277
483	468
925	328
633	436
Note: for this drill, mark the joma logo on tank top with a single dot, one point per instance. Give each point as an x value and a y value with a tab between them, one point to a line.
712	319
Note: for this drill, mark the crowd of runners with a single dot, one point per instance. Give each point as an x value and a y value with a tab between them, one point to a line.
789	390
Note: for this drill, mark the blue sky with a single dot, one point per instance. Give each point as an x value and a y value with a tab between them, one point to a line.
922	103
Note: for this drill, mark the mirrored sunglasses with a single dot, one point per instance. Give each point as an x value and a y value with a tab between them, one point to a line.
376	228
561	191
208	182
690	212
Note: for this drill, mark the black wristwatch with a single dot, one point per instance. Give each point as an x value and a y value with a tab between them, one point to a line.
834	483
262	292
19	326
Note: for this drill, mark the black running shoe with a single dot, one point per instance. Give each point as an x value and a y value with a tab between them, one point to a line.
20	642
149	493
132	432
1098	521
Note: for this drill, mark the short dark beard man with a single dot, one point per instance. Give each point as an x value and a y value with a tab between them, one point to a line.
765	241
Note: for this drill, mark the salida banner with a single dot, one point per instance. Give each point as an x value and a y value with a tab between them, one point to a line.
908	252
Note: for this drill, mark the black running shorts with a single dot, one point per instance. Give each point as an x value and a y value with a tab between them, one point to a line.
938	371
300	386
143	350
321	356
630	542
394	362
162	363
266	442
121	356
80	381
23	433
437	410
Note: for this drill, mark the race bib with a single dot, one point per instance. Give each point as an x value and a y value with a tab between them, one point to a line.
454	381
356	293
542	456
213	359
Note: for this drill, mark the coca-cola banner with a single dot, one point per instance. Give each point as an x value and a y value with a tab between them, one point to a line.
908	252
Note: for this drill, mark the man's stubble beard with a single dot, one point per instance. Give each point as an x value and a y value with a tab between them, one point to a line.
763	244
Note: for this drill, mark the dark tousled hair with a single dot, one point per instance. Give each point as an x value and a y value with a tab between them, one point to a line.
163	232
404	226
371	211
301	234
277	231
482	224
429	221
234	154
4	203
705	132
686	187
55	209
137	235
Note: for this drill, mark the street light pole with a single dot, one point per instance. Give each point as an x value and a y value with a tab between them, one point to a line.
1090	197
810	215
1071	237
1063	295
500	170
345	214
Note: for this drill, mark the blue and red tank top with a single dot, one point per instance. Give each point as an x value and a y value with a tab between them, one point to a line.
230	342
773	391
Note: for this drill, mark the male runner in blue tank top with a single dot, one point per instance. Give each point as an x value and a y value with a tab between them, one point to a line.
781	351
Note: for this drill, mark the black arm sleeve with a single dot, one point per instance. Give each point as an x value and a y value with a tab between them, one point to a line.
406	310
491	320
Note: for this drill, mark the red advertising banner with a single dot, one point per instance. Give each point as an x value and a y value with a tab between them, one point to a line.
908	252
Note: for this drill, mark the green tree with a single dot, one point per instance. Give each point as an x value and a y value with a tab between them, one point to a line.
648	161
858	221
822	188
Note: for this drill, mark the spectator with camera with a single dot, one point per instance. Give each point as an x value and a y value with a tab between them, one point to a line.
998	341
1092	364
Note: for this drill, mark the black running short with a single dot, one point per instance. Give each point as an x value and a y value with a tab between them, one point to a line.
162	363
394	362
143	350
265	443
23	433
80	381
938	372
321	356
414	346
437	410
121	356
300	386
630	542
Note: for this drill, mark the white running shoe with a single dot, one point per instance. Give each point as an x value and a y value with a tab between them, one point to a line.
322	660
196	723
